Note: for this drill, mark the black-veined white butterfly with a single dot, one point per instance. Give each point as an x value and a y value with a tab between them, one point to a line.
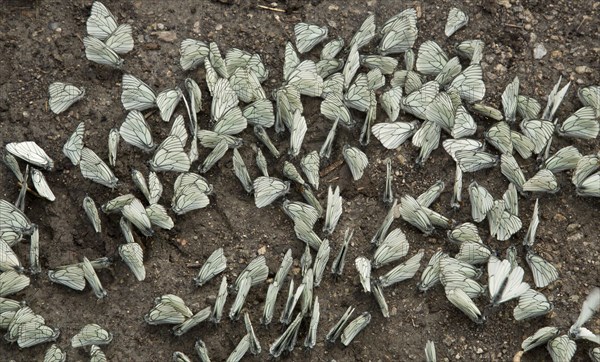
441	111
136	94
338	263
555	98
543	181
457	189
287	340
192	53
472	161
158	217
332	49
461	300
308	35
246	85
187	198
388	194
311	337
260	113
510	100
321	260
225	111
528	107
451	70
355	327
121	40
41	185
582	124
589	186
170	156
393	247
561	348
63	95
429	196
498	135
504	284
89	273
99	52
335	331
297	131
456	20
261	162
466	232
564	159
532	304
390	102
512	171
386	65
470	84
268	189
466	144
333	108
93	168
539	132
364	34
167	101
363	266
471	49
428	139
306	79
136	214
487	111
91	334
216	60
334	210
430	355
590	306
310	166
133	255
30	152
430	58
241	172
503	224
416	102
136	132
403	271
543	272
357	161
541	336
399	33
522	144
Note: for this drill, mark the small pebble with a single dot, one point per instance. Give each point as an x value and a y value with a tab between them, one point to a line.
539	51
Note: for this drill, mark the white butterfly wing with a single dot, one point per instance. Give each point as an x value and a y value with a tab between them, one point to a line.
121	40
136	131
136	95
63	95
93	168
98	52
101	23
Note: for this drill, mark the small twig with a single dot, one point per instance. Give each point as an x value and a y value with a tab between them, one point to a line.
193	265
514	26
270	8
330	168
580	24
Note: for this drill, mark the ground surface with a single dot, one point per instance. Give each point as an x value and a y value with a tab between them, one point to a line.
41	43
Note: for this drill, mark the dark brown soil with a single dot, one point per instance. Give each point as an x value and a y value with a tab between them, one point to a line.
40	42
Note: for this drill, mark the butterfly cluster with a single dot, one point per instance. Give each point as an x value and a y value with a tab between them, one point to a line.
432	99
